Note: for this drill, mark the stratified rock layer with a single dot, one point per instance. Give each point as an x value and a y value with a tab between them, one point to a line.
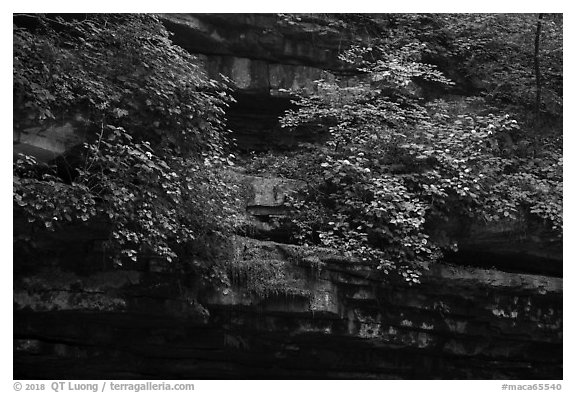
493	310
267	61
335	319
290	312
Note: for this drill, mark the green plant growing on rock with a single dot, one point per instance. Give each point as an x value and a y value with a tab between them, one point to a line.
263	273
266	277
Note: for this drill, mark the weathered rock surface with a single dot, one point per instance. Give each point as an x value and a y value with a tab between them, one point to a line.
290	312
259	36
492	310
519	245
47	143
266	60
335	319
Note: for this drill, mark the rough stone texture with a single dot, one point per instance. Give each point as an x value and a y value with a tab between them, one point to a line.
332	316
47	143
269	194
493	310
258	36
257	76
461	322
519	245
516	245
258	53
324	315
267	61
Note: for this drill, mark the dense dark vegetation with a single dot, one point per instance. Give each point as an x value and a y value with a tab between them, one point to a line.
448	122
156	135
451	117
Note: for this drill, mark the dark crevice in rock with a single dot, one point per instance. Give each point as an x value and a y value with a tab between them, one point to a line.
507	261
254	120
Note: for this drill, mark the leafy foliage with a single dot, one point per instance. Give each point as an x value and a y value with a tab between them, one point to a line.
491	53
487	54
155	134
397	160
499	49
395	163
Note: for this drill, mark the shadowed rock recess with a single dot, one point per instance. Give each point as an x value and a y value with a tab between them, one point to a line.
491	311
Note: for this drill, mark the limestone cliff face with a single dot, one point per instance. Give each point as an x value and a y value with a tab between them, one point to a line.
492	310
461	323
261	37
48	143
319	314
267	60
